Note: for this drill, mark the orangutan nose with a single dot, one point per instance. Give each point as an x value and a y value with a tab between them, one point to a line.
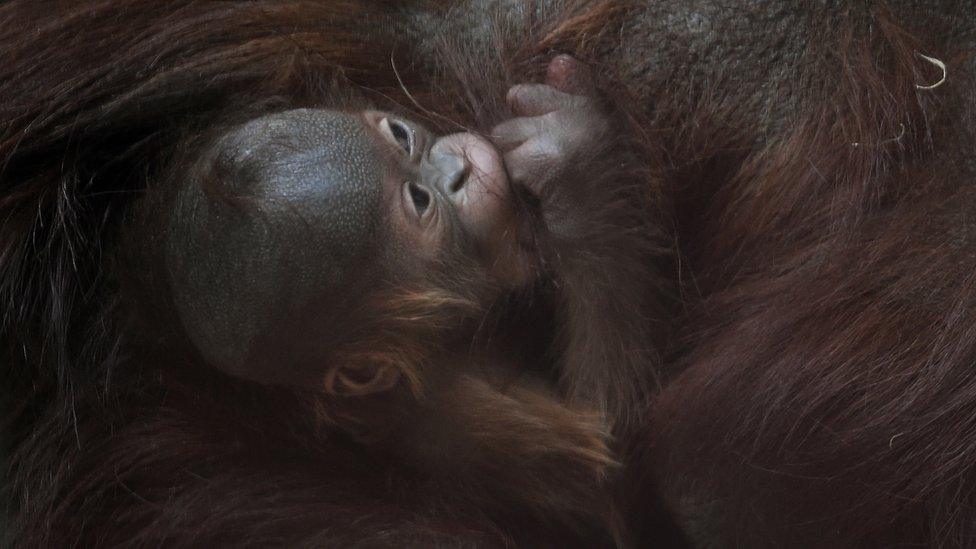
449	170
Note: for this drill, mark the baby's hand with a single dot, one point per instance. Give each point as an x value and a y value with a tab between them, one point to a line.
559	123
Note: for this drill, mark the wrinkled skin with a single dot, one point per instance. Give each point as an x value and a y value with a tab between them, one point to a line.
555	124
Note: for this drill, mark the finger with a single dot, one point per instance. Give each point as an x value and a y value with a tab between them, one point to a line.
529	166
514	132
521	167
536	99
568	75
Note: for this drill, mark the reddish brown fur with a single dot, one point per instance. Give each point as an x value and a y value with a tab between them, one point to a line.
121	435
822	391
827	397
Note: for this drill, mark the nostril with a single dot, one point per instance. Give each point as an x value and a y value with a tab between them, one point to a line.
456	184
449	166
458	177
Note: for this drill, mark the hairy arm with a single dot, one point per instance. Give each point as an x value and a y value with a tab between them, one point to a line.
597	242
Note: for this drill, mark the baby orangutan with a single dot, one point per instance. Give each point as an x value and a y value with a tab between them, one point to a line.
355	251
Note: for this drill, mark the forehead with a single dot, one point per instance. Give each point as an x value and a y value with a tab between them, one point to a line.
330	147
321	166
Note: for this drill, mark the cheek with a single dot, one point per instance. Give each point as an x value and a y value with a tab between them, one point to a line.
487	170
489	195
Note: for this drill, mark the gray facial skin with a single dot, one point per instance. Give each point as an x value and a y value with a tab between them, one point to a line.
290	217
295	219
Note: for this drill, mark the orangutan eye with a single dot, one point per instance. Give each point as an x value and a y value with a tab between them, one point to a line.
420	198
398	133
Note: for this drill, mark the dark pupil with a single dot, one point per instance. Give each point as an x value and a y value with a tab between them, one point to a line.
401	134
420	198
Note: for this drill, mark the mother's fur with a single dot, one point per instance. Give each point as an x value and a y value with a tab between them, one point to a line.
818	388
